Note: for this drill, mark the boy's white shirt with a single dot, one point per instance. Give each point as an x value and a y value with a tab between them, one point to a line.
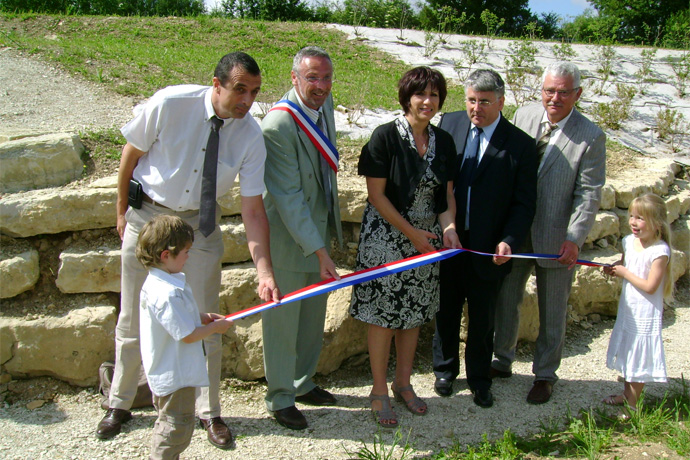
169	313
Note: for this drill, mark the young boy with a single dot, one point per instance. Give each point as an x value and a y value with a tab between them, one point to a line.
171	330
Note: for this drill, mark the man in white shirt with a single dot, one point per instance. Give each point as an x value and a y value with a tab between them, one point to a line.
166	154
572	170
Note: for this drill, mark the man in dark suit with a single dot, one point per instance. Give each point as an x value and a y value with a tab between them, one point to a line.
495	194
572	170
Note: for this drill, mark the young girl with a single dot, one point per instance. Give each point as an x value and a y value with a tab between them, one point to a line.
636	348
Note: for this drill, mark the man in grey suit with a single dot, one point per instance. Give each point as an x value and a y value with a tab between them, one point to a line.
571	172
302	207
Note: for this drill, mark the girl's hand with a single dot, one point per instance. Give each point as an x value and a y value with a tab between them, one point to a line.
618	270
611	269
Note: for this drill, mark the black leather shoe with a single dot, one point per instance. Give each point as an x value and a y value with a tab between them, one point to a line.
317	397
495	373
443	387
111	424
540	392
291	417
483	398
218	432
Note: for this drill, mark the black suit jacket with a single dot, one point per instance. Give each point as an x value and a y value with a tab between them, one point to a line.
504	191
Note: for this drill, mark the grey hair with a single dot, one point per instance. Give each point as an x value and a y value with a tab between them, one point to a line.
486	80
563	69
309	51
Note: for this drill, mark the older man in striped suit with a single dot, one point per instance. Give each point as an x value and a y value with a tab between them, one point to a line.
572	162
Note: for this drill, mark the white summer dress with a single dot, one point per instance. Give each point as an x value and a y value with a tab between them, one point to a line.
636	348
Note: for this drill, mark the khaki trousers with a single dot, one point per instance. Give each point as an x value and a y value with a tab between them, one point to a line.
203	275
174	427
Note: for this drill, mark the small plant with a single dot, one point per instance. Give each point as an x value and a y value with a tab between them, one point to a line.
612	114
379	450
472	52
605	58
671	127
589	439
645	73
522	71
563	52
681	70
431	43
404	15
492	24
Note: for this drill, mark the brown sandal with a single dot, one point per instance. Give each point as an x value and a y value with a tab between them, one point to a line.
414	404
614	400
385	417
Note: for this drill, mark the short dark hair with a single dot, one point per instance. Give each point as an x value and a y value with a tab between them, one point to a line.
163	232
418	79
482	80
230	60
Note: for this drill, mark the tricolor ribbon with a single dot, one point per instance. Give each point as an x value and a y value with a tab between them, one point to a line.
380	271
318	138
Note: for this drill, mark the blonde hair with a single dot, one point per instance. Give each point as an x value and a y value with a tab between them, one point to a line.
653	210
162	233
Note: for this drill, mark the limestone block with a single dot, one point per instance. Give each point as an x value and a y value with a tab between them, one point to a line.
234	241
608	197
353	199
242	344
69	348
605	224
672	208
39	162
623	227
95	270
231	202
680	234
592	291
529	312
679	264
656	177
57	210
683	195
19	270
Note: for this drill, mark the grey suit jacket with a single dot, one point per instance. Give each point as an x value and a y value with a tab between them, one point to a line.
569	182
295	199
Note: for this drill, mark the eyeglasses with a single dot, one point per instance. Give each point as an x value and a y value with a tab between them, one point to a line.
481	102
314	80
561	92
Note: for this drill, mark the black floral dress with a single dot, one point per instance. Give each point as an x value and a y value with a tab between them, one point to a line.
410	298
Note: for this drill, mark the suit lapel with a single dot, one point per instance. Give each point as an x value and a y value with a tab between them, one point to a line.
495	144
561	145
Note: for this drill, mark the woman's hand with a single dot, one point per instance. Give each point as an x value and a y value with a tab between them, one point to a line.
451	239
420	240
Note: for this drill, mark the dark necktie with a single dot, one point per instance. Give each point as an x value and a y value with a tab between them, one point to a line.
469	167
325	168
207	205
543	141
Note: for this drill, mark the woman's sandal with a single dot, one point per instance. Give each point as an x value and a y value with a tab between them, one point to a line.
414	404
385	417
614	400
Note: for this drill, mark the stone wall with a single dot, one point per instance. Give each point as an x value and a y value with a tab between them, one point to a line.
68	335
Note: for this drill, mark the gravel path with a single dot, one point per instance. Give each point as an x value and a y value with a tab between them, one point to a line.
35	97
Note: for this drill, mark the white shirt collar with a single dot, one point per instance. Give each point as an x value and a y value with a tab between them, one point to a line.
311	113
176	279
561	124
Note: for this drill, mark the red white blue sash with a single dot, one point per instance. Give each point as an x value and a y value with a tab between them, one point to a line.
318	138
382	270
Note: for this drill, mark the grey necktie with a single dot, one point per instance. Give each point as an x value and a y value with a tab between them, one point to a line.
207	205
325	168
543	141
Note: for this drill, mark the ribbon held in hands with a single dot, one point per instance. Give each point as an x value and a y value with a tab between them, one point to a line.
380	271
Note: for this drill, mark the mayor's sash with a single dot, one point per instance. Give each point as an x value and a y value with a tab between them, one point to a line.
317	137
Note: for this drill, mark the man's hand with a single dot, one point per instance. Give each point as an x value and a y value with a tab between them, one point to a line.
568	254
121	224
326	265
502	249
268	288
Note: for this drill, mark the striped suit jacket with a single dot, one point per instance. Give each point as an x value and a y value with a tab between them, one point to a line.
568	184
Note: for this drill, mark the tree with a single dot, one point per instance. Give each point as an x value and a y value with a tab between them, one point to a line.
639	21
515	13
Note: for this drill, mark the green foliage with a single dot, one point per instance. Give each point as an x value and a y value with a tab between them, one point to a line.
492	24
107	7
563	52
681	71
472	52
380	451
671	127
589	439
515	14
677	30
641	21
522	72
605	58
613	114
106	143
375	13
268	10
591	28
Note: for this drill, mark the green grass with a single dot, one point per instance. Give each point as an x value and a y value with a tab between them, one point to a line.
137	56
592	434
